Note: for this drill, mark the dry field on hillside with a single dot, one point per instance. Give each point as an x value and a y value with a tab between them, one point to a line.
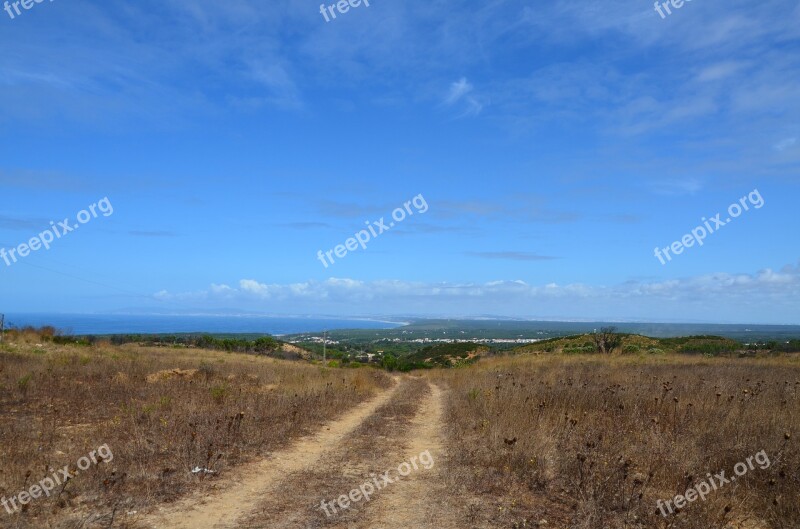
162	412
203	439
594	442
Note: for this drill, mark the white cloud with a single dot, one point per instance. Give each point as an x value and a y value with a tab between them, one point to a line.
688	186
223	291
719	71
282	90
772	295
458	90
254	287
461	90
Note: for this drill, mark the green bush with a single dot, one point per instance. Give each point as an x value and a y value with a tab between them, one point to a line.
389	362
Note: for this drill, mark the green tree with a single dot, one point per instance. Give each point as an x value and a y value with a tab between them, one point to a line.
607	340
389	362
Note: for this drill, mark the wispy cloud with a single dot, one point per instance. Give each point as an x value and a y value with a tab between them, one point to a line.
710	297
350	210
624	218
458	90
676	187
461	91
157	233
418	227
719	71
478	208
520	209
54	181
282	90
16	223
305	225
511	256
785	144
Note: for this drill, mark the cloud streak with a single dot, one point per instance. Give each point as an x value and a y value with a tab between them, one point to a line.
462	91
708	298
511	256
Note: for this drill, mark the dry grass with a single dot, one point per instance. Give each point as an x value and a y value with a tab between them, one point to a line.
375	446
203	409
583	442
600	440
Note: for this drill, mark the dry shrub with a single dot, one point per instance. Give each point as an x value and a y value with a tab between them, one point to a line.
30	334
171	374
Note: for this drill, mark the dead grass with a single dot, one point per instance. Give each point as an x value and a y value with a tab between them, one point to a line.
162	412
375	446
591	442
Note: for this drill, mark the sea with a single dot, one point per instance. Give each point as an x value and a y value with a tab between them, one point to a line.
101	324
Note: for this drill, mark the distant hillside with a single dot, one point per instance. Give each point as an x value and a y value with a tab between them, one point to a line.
238	343
448	354
634	344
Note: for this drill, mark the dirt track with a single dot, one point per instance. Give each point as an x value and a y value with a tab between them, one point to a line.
286	490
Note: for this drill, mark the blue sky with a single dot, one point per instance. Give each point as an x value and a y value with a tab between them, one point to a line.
556	144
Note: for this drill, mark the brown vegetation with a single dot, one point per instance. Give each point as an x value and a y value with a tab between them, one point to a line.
161	412
595	442
375	446
537	440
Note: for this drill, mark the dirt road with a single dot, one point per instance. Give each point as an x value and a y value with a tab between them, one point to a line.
288	489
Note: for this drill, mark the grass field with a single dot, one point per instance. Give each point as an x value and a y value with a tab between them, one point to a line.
162	412
592	442
544	439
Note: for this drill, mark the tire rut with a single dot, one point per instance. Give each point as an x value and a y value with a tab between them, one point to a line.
238	497
368	451
420	500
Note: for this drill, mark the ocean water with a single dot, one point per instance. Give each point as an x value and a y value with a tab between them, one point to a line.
160	324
